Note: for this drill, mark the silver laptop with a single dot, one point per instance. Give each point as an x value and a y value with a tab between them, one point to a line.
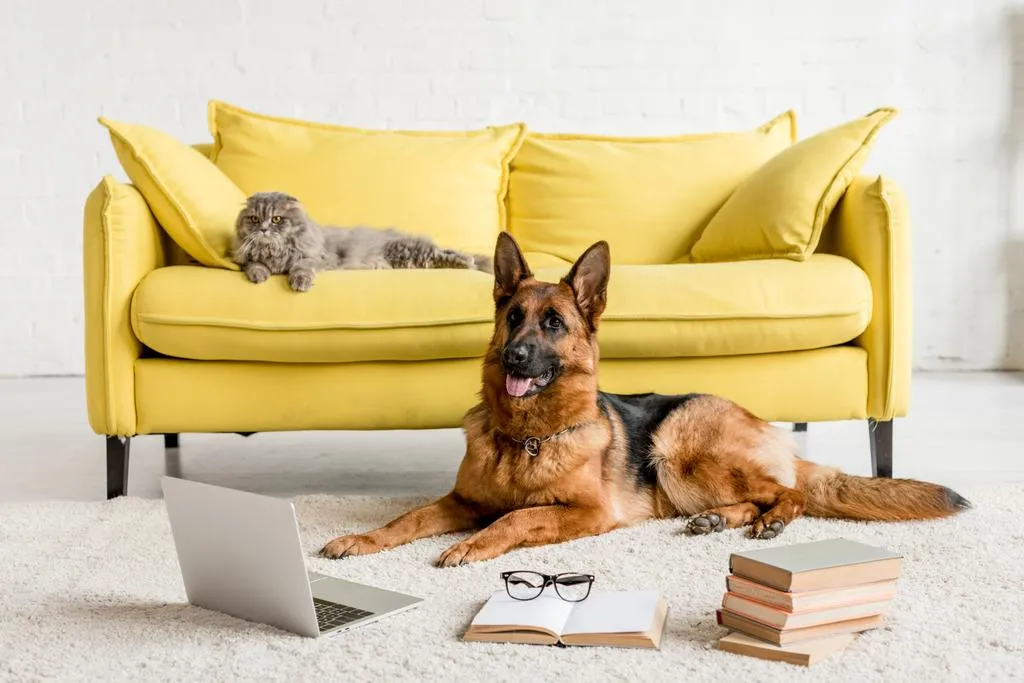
240	554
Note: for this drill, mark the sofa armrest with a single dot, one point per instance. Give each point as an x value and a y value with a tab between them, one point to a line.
871	228
120	244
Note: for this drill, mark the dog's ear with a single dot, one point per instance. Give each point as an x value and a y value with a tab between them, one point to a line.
589	281
509	267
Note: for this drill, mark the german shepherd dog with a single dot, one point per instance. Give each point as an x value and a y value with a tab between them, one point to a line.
551	458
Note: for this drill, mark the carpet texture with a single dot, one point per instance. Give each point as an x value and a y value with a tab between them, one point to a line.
91	591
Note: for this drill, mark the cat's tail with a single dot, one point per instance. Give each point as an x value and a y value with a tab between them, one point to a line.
453	258
484	264
420	252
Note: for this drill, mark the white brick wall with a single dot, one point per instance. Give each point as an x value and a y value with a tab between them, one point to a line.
956	70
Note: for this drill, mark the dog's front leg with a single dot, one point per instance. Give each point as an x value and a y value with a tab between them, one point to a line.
447	514
527	527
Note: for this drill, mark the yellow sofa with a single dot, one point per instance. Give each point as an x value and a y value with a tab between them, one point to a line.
173	346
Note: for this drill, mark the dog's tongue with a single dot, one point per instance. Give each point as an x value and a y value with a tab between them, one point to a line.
517	386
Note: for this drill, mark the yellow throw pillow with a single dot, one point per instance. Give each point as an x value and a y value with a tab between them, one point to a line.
450	186
195	203
779	211
648	197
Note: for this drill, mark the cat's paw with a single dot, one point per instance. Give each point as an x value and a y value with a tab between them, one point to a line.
257	272
300	282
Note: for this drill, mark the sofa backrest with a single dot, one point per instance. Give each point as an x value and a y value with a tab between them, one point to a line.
649	198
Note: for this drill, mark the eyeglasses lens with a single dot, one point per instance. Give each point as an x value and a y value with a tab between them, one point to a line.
573	587
524	585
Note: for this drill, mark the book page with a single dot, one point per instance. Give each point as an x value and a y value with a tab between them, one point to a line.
614	612
548	611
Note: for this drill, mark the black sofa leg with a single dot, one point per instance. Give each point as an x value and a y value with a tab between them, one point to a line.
799	426
881	447
171	441
117	466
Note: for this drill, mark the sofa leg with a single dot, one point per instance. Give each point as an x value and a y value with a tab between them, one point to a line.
799	426
117	466
171	441
881	447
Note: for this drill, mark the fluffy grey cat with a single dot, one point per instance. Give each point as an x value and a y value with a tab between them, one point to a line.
275	236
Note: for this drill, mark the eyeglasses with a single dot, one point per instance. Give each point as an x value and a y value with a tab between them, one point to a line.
571	586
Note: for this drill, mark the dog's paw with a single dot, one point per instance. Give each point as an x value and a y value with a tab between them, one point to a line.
766	530
706	523
300	282
353	544
464	552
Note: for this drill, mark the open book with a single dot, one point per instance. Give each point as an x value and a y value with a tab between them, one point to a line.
615	619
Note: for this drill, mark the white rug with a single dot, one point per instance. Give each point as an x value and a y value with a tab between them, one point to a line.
91	591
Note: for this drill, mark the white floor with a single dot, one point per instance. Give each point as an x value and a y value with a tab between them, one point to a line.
964	428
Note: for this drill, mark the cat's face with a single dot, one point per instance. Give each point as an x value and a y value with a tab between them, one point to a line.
270	215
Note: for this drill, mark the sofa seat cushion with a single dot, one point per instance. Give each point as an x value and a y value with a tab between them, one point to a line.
659	311
723	309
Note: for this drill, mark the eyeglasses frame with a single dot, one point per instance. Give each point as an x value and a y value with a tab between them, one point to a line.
549	580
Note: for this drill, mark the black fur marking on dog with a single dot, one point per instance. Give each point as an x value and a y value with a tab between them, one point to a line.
739	481
641	414
955	500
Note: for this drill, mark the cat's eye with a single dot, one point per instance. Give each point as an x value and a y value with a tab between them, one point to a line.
275	220
254	219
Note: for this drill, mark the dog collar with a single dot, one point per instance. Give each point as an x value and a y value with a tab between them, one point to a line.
531	444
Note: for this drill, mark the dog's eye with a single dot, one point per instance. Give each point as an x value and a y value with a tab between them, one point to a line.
515	316
275	220
554	322
254	219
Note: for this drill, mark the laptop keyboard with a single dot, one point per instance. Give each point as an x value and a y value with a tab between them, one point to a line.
332	615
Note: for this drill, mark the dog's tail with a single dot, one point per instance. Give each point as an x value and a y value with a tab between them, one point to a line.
831	493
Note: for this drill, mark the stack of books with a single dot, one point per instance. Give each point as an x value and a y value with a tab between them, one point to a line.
800	603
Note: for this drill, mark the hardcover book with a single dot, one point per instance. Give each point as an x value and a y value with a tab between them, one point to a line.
805	653
820	565
780	619
808	600
777	636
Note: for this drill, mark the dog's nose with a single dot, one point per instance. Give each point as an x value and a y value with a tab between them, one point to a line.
517	354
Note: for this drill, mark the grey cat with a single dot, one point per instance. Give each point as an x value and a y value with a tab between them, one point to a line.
275	236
